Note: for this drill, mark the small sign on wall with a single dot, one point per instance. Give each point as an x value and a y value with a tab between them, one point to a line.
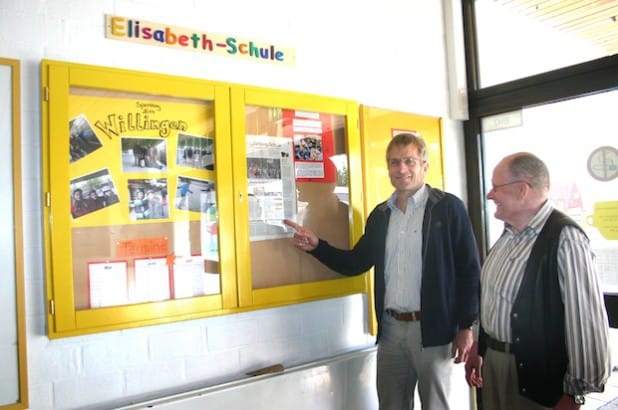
163	35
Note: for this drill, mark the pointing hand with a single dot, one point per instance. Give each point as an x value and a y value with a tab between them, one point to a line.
304	239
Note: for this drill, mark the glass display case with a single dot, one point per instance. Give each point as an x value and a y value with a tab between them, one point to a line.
165	196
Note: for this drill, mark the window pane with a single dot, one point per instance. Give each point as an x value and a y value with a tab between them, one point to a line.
577	140
518	38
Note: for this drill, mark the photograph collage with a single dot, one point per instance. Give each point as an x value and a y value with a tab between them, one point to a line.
148	198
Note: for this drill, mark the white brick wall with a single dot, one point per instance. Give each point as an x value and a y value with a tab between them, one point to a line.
115	368
387	54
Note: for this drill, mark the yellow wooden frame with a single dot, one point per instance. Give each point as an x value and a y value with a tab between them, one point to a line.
64	319
18	235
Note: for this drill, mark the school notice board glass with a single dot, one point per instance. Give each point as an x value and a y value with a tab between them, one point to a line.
300	161
164	196
296	171
142	198
13	372
132	194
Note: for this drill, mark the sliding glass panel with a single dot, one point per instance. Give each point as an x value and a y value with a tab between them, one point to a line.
297	168
142	188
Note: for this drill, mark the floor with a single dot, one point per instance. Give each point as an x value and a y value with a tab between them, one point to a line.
608	400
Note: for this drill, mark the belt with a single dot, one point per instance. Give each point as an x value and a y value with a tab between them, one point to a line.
405	316
498	345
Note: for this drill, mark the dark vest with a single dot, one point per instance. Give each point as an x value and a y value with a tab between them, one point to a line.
537	319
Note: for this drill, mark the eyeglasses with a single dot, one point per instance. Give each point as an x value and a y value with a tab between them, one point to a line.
495	187
408	161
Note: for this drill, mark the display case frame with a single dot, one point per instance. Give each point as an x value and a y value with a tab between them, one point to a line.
72	243
66	317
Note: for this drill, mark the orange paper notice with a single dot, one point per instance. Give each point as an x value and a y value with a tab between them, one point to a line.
141	247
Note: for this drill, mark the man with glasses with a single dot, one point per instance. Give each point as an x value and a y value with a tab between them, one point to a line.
427	269
543	338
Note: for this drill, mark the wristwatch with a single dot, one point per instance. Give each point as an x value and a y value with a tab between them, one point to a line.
579	399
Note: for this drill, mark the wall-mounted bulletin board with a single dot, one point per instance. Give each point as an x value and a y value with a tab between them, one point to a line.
165	196
13	371
135	212
378	126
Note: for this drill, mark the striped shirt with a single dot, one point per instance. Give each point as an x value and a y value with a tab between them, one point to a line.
403	266
586	324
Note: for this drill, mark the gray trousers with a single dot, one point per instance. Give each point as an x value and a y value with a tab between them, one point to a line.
402	363
500	388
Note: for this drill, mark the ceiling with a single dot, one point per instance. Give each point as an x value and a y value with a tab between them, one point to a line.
593	20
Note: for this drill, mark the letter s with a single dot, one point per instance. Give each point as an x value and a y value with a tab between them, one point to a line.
231	44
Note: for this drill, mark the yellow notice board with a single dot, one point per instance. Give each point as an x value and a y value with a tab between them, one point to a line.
378	126
134	208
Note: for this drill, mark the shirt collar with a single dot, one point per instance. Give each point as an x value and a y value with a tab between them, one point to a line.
538	220
415	200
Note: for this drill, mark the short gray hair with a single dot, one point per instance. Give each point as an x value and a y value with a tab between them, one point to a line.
530	168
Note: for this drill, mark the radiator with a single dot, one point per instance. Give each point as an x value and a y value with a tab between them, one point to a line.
344	382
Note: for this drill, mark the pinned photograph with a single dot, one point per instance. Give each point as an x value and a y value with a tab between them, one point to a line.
92	192
308	147
148	199
82	138
195	152
144	154
189	193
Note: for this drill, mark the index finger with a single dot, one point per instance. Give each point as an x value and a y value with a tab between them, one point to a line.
292	224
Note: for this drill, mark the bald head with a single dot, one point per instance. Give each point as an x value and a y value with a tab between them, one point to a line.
530	168
520	188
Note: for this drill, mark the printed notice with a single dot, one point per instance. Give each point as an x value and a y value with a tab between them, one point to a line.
107	283
191	280
152	280
272	188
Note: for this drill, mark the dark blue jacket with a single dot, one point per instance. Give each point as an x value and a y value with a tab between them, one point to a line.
451	267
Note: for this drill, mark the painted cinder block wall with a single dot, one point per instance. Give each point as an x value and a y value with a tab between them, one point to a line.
389	54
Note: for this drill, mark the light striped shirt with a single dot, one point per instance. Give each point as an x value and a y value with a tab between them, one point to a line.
403	266
586	324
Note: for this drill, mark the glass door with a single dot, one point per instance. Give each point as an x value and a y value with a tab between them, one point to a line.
295	157
577	140
136	198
